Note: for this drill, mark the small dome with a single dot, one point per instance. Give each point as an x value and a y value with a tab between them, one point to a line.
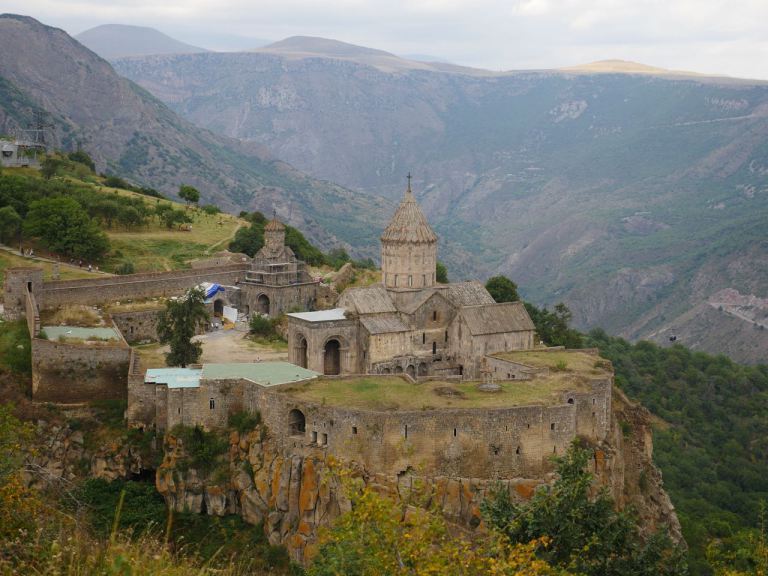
409	223
274	225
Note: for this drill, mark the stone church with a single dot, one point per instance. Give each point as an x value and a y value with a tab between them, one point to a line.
408	323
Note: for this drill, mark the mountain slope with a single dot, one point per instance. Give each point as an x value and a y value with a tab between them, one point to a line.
129	132
120	40
629	196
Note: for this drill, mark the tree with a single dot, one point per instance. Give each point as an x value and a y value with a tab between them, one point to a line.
10	224
381	536
65	227
178	323
441	273
587	535
553	327
50	166
172	217
84	158
502	289
189	194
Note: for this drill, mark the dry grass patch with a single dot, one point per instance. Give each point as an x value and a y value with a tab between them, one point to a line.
74	315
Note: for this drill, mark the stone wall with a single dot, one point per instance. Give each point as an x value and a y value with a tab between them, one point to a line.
134	286
71	373
317	334
138	325
16	285
282	299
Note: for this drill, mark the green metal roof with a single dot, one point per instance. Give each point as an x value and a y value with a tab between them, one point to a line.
174	377
263	373
79	333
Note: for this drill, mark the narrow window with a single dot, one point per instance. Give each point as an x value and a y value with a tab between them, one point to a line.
593	401
406	430
180	411
314	436
423	279
212	404
446	335
354	429
423	337
454	432
410	280
517	450
552	426
434	315
395	284
325	439
434	347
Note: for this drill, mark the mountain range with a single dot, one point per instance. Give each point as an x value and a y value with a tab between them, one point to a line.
131	133
632	193
637	195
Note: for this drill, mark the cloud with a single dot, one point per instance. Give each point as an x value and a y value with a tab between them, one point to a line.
715	36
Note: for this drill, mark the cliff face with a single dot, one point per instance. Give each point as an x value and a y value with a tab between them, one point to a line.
295	495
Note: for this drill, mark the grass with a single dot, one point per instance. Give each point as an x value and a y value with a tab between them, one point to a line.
72	315
567	361
10	260
151	355
394	393
156	248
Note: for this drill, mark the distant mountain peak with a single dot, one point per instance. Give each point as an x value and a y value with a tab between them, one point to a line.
323	47
624	67
113	41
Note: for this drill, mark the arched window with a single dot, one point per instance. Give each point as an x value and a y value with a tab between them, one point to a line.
296	423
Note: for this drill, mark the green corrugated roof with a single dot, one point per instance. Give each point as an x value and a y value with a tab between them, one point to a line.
77	332
263	373
174	377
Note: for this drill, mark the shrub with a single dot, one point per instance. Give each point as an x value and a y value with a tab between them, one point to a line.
262	326
244	421
202	447
125	267
210	209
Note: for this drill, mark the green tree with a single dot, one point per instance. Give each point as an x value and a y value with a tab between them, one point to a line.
586	534
84	158
10	224
178	323
502	289
65	227
553	327
50	166
189	194
171	217
441	273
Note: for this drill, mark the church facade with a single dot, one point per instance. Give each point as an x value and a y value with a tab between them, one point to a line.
408	323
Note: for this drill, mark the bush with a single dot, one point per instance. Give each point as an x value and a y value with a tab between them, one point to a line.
262	326
82	157
202	447
112	181
244	421
125	267
210	209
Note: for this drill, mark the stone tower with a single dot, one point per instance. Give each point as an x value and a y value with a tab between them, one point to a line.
408	248
274	236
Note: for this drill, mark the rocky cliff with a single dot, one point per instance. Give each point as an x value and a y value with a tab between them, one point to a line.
295	495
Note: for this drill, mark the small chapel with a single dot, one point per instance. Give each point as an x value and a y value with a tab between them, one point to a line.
409	323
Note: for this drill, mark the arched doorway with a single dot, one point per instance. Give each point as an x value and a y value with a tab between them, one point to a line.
301	358
262	304
386	371
398	369
411	371
218	308
332	357
297	424
423	369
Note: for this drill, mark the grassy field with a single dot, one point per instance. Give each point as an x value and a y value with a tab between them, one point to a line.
9	260
394	393
156	248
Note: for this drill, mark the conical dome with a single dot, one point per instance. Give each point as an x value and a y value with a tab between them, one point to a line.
409	223
274	225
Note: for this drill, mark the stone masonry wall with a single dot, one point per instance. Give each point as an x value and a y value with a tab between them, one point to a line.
134	286
71	373
138	326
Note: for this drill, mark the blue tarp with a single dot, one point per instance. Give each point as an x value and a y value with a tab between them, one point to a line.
211	289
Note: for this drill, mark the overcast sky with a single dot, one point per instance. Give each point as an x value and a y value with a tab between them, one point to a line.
712	36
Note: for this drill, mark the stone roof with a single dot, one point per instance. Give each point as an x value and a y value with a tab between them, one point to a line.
274	225
383	323
372	299
408	224
319	315
469	293
497	318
